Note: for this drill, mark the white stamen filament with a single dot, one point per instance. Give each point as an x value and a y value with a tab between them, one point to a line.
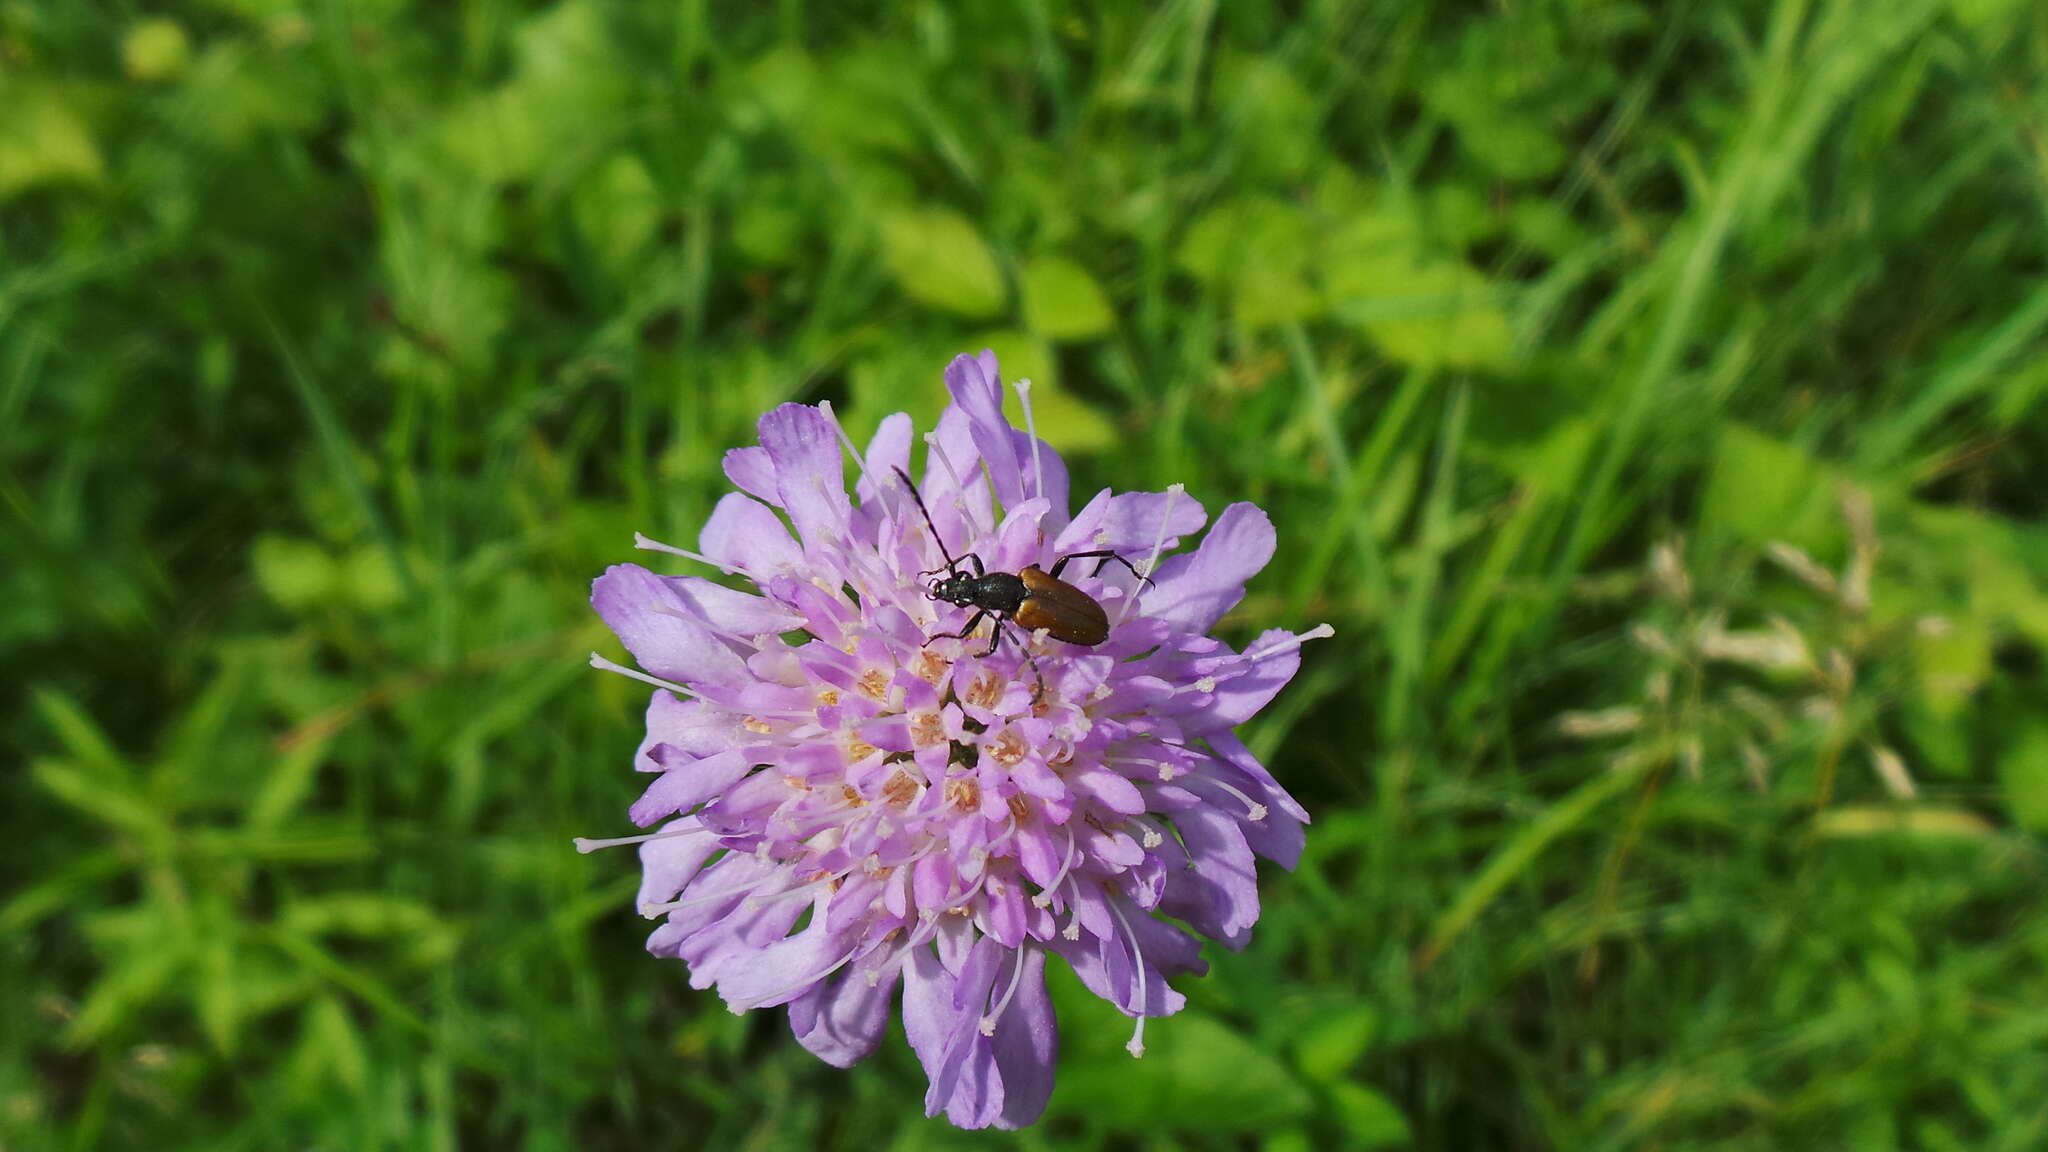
649	544
931	440
1173	493
745	639
604	665
650	911
1319	632
988	1022
926	929
1031	429
1044	898
586	845
1137	1045
1168	770
1153	837
961	901
988	849
1254	811
753	1002
754	902
847	442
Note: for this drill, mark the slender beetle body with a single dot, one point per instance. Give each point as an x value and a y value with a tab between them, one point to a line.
1064	611
1033	599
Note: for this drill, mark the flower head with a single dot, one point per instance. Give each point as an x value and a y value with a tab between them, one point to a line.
941	814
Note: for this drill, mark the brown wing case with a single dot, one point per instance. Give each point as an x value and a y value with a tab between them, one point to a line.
1065	611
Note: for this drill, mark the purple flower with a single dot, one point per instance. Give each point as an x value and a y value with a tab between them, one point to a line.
935	814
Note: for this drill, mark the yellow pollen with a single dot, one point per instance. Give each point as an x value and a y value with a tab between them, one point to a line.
985	690
962	910
827	697
858	750
1008	749
929	666
927	730
797	782
1019	809
756	724
901	788
874	684
963	793
852	797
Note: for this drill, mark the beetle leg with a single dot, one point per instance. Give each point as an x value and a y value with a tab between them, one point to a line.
995	638
1102	556
962	634
979	571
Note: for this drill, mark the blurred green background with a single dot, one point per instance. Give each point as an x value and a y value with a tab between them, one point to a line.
1655	397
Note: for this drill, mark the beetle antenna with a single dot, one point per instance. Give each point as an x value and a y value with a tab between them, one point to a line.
936	538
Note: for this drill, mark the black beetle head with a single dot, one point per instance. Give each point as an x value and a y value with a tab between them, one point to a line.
956	588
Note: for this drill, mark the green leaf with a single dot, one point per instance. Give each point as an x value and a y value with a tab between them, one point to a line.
329	1052
287	784
1520	850
1761	490
1421	309
1197	1073
295	573
1952	661
368	578
939	259
1335	1041
155	50
1271	117
81	737
111	801
566	92
617	208
216	991
43	140
1063	420
137	976
767	232
58	889
1255	251
2023	774
1062	301
1372	1120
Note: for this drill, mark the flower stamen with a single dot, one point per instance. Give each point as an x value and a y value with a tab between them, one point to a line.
1031	429
1136	1047
988	1022
586	845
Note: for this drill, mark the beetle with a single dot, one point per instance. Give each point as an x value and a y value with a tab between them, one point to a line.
1033	599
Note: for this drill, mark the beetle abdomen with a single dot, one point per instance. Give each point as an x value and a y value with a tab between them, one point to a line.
1064	611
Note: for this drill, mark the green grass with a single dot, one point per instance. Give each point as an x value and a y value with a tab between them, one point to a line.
342	343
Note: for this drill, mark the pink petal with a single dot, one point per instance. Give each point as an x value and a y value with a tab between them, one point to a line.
658	627
809	473
1195	590
842	1021
747	534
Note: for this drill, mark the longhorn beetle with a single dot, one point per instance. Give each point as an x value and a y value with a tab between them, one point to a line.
1033	599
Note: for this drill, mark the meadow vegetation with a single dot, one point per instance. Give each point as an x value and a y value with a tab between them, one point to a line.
1653	395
